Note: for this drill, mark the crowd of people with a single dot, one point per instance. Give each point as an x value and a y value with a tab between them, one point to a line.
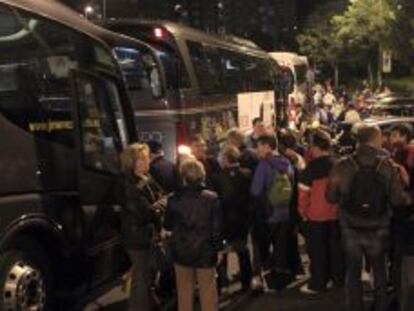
331	105
256	199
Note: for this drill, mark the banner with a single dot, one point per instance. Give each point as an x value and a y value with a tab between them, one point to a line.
255	105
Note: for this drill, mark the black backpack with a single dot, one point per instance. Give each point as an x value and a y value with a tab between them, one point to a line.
366	203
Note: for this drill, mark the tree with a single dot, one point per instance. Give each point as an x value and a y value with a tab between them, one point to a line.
320	41
367	27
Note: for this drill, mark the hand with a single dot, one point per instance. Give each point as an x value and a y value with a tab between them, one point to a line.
220	257
405	177
165	234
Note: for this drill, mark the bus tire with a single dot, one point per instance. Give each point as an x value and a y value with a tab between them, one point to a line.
26	282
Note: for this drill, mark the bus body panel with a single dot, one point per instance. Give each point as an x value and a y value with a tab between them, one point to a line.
64	119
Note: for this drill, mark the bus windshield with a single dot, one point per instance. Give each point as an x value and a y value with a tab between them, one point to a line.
141	74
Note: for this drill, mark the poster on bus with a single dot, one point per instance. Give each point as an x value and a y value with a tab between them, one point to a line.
255	105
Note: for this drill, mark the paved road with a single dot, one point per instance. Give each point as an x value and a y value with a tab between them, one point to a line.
288	300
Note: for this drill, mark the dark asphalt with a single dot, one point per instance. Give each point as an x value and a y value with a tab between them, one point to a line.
288	300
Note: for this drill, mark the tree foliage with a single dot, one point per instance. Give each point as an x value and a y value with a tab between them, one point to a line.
356	34
320	41
366	24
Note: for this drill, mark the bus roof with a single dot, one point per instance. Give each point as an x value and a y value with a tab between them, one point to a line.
179	30
63	14
291	57
60	13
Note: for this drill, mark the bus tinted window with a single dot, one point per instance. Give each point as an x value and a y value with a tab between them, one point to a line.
98	125
142	76
175	70
258	74
36	57
204	68
136	75
232	64
44	53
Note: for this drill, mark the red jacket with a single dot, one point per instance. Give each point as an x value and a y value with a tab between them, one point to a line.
313	184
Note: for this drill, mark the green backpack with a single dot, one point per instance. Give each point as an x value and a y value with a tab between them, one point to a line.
280	190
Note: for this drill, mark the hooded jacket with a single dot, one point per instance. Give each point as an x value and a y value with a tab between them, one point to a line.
194	217
262	180
232	186
313	205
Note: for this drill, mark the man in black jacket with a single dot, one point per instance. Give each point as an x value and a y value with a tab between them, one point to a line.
366	185
232	186
248	156
199	150
163	171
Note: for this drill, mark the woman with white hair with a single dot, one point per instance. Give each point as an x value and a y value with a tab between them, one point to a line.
193	218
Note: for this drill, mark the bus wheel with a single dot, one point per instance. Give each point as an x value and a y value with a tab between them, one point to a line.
25	282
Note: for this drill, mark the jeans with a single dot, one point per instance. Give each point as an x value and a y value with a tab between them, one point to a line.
140	281
245	267
373	244
261	244
407	284
323	240
279	234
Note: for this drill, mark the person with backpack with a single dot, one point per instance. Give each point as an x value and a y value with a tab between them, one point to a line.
320	219
366	185
272	189
403	222
406	293
402	152
289	148
232	186
194	220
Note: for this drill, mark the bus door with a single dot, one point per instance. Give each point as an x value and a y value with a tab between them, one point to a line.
100	129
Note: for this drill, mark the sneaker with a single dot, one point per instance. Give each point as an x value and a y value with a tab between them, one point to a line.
299	277
257	284
307	291
224	291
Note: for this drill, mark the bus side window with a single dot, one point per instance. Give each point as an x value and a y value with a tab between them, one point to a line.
99	128
231	63
258	74
205	69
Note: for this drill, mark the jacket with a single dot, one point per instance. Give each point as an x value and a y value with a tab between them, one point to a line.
164	173
138	217
313	183
194	217
212	168
261	181
341	178
408	234
232	186
248	158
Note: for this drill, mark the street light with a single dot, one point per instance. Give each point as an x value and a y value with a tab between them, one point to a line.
88	10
